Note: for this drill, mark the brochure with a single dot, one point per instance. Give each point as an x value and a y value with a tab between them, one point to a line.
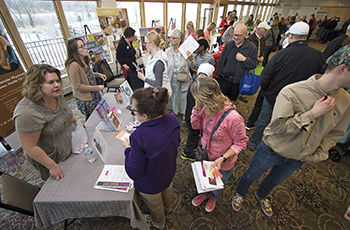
205	181
114	178
190	44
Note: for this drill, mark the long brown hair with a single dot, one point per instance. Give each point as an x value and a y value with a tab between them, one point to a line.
72	54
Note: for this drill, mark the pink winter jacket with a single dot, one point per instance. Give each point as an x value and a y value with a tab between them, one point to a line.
230	134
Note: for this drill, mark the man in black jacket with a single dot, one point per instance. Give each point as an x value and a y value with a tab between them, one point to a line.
335	44
295	63
237	56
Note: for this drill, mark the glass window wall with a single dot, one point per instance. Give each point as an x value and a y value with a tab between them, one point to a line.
174	9
191	13
154	14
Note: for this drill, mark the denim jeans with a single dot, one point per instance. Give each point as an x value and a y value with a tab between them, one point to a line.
264	120
225	175
254	115
264	159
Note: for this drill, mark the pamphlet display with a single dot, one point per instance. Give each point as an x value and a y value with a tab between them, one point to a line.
100	145
110	120
126	90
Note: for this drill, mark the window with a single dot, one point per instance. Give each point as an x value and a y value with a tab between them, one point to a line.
267	17
239	8
263	13
204	16
154	13
220	17
191	13
80	13
134	15
174	10
40	31
245	13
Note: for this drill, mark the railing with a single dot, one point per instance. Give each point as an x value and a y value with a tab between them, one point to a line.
51	51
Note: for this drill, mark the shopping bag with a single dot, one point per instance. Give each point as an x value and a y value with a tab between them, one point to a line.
249	84
79	139
258	69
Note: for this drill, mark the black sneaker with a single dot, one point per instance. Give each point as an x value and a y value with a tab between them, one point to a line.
185	156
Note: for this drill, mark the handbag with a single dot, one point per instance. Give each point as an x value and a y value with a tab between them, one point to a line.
202	154
249	84
183	77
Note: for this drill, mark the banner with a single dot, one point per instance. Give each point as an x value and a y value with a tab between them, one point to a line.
11	94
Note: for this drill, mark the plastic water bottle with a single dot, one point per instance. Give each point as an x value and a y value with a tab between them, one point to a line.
88	153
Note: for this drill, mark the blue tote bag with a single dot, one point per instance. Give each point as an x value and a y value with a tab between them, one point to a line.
249	84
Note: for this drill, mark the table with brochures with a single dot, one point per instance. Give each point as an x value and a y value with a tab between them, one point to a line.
74	196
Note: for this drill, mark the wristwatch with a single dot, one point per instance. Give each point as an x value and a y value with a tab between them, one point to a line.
225	159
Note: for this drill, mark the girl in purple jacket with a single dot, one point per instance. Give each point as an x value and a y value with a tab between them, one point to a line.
150	156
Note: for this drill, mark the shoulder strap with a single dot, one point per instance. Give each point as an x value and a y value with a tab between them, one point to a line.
219	123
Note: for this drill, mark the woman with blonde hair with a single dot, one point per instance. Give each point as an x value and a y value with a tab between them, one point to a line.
156	73
229	138
190	30
270	40
207	32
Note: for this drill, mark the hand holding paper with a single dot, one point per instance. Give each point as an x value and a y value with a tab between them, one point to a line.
190	44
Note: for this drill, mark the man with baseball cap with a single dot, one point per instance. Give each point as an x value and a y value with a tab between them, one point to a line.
309	117
259	41
295	63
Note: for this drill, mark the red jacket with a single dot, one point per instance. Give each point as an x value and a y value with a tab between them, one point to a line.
223	23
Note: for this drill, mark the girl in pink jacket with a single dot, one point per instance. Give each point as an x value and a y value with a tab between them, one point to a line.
228	140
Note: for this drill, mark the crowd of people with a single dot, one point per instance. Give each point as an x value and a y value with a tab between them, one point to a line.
301	110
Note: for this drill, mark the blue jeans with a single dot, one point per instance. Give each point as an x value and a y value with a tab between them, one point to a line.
264	159
264	120
225	175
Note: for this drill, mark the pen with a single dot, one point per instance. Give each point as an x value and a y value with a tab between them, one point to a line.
211	172
204	174
215	174
220	175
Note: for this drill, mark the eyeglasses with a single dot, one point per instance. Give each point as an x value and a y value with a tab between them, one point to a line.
81	47
173	38
133	110
237	35
147	43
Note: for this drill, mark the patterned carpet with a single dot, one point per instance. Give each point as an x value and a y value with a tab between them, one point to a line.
314	197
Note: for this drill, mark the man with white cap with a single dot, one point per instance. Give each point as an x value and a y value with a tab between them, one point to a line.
259	41
193	137
309	117
295	63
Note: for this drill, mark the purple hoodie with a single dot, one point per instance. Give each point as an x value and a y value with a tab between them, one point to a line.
151	159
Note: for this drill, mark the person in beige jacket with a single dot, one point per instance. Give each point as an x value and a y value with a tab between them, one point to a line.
308	118
85	89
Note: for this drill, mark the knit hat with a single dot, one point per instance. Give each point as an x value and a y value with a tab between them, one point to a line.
264	25
206	69
300	28
341	56
203	42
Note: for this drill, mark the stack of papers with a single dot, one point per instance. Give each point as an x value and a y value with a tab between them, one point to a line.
204	182
114	178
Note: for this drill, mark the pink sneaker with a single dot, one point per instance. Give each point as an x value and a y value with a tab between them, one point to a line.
210	205
199	199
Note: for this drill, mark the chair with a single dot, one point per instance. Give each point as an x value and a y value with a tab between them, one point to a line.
112	81
19	195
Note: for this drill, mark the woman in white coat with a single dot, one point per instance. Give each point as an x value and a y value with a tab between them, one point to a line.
179	73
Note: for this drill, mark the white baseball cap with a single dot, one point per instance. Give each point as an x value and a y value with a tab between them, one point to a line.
264	25
300	28
206	69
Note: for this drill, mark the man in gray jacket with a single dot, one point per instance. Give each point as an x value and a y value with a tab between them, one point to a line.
237	56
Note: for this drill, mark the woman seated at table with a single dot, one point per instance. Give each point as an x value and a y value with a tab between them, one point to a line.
179	73
150	156
44	122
